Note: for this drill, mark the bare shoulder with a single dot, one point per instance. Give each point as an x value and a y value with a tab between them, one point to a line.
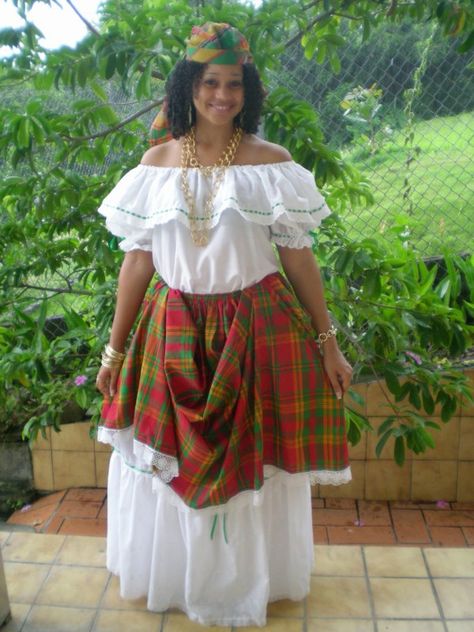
261	151
166	155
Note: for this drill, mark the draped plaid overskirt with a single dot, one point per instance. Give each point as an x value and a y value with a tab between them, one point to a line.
225	384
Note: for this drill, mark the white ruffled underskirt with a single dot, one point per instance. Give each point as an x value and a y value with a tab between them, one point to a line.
219	565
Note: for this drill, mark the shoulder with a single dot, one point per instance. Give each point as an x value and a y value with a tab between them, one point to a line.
258	151
165	155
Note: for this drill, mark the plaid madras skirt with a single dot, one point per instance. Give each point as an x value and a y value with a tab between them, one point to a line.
225	384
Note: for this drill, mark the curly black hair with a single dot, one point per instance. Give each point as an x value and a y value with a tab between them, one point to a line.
179	90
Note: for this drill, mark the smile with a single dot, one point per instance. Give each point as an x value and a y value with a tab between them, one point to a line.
221	108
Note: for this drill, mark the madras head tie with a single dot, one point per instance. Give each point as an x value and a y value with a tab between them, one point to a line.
212	43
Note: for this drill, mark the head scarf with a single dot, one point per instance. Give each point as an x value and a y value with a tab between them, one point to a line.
212	43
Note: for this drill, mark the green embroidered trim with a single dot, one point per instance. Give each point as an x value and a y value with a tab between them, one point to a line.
216	214
132	467
215	520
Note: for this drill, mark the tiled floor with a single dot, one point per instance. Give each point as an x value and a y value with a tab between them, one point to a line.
60	583
336	521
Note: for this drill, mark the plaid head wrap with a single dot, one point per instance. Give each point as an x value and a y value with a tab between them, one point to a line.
212	43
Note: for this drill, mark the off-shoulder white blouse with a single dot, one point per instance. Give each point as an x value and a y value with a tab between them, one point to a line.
256	206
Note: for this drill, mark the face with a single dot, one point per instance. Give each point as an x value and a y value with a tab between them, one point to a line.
219	95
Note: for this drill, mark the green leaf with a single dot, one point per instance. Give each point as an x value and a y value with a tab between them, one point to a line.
392	382
399	451
381	443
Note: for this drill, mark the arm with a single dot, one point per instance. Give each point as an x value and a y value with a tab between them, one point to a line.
303	273
135	275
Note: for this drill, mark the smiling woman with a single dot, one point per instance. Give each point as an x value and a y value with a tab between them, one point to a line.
223	410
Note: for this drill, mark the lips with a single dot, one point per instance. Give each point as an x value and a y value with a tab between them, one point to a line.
221	108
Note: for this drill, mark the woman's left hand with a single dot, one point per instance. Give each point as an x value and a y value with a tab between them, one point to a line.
338	369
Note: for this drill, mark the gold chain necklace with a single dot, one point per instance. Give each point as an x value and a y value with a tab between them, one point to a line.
200	226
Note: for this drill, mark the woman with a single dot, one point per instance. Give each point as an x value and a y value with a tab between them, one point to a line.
224	410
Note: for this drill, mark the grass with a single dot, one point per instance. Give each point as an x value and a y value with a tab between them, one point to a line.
442	181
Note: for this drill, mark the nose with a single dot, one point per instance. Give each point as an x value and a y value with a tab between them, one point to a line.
222	92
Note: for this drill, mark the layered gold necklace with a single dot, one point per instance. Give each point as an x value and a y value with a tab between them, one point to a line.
199	226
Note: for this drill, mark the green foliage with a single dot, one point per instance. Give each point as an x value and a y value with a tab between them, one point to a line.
64	143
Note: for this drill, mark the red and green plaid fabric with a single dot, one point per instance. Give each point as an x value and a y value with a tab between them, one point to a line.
227	383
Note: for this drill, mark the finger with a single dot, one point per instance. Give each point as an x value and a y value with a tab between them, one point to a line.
113	383
336	385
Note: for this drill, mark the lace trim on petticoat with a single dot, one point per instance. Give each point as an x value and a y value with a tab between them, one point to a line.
165	467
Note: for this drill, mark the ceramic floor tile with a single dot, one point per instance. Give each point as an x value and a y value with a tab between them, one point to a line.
456	596
339	625
113	601
450	562
403	598
24	580
460	626
409	626
70	586
338	560
32	547
278	625
133	621
83	551
180	623
389	561
286	608
338	597
19	612
55	619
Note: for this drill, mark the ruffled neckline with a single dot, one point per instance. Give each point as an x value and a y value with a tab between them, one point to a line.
245	166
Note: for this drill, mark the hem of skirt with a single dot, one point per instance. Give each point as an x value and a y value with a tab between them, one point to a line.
223	621
163	468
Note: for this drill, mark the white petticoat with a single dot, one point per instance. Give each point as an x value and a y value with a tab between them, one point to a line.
219	566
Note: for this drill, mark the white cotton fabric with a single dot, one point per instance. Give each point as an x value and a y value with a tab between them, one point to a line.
164	552
255	206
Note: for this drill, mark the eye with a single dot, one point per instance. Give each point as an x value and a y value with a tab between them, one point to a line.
210	82
236	84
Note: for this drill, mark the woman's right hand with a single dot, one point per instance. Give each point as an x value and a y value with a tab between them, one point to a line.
106	381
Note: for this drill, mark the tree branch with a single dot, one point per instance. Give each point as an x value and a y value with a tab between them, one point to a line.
91	28
319	18
114	128
56	290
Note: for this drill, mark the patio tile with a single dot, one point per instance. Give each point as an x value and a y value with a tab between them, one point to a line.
180	623
4	535
456	597
19	612
84	494
450	518
408	598
361	535
120	621
340	625
77	587
286	608
408	625
24	580
49	499
334	516
374	513
338	560
113	601
31	516
49	618
410	526
338	597
447	536
32	547
460	626
79	509
320	535
395	562
84	526
469	535
450	562
340	503
276	625
83	551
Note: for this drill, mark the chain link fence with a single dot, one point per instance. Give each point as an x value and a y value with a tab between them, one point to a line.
401	110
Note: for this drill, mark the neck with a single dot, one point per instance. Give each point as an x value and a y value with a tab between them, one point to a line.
211	137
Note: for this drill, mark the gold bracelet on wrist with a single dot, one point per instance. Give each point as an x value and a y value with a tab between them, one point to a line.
325	335
111	358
